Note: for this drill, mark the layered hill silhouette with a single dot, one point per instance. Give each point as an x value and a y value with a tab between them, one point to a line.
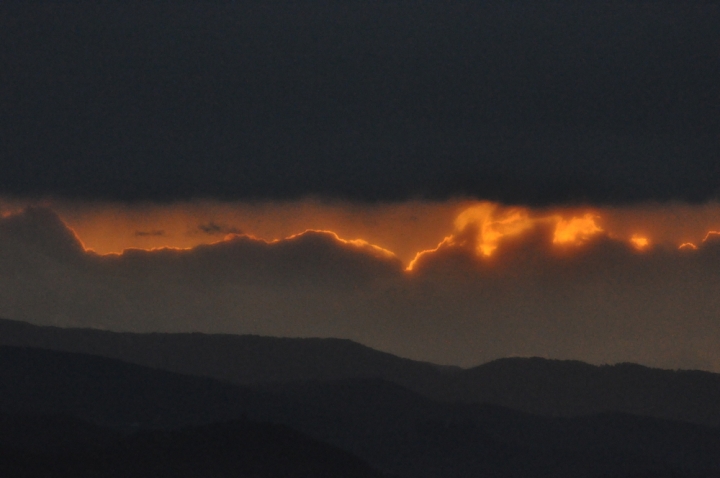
239	448
159	415
533	385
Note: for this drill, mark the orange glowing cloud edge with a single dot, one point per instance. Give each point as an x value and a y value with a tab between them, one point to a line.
493	224
691	246
483	225
710	235
358	243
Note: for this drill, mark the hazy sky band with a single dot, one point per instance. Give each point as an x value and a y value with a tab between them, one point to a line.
600	301
521	102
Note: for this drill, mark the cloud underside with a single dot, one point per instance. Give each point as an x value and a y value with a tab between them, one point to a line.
544	103
601	302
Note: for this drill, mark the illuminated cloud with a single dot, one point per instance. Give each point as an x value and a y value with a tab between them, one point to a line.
492	225
600	299
575	230
403	228
640	242
484	226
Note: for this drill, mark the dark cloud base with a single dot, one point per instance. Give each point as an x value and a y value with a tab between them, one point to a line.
603	302
522	102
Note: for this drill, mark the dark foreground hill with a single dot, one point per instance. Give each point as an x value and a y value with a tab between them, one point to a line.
239	448
115	394
393	429
34	434
545	387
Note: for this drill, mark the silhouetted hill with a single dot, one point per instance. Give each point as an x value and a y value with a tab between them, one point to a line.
393	429
571	388
243	359
111	393
547	387
44	434
432	438
238	448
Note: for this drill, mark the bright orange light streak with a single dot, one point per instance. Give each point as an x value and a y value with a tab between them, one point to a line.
358	243
449	240
712	235
688	245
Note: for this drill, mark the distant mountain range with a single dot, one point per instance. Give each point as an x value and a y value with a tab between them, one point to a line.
533	385
333	408
394	430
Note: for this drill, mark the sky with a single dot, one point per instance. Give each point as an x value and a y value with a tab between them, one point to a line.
447	181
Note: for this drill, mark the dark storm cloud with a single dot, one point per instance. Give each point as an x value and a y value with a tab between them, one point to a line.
603	302
532	102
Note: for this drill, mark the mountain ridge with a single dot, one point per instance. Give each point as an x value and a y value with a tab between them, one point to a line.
393	429
534	385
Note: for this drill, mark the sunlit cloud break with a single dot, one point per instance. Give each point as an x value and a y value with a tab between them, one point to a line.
487	224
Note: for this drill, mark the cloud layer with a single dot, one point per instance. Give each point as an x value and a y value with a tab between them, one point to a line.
603	301
534	103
